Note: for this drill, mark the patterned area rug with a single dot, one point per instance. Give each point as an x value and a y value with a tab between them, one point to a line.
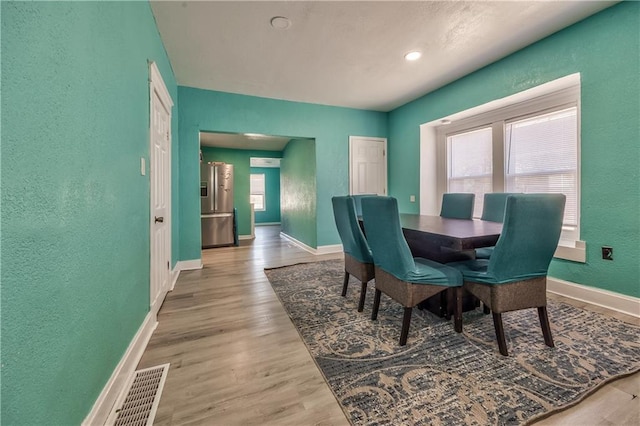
441	377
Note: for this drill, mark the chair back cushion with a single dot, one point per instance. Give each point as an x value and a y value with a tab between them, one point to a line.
457	206
353	240
384	233
493	206
529	237
358	200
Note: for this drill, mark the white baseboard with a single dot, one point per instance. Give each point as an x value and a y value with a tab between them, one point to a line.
188	265
246	237
335	248
607	299
300	244
174	277
267	223
123	371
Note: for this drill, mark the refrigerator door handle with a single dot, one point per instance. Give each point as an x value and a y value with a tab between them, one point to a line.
208	216
215	191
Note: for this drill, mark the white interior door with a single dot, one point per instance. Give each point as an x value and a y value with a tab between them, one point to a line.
160	188
367	165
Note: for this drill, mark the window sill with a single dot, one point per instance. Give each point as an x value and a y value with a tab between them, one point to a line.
575	251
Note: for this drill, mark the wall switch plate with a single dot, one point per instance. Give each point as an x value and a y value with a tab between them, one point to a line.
412	198
143	166
607	253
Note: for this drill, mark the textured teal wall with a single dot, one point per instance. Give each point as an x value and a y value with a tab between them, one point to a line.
225	112
298	189
605	50
75	209
241	170
271	214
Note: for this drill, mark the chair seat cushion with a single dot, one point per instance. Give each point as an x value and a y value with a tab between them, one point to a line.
430	272
484	252
477	271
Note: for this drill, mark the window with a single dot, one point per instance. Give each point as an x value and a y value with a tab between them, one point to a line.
470	165
531	145
542	156
257	192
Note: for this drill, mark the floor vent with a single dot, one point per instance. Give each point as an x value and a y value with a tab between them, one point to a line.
142	398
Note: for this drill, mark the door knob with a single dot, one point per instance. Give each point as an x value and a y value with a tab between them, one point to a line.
159	219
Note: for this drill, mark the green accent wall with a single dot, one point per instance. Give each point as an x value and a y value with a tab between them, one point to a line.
298	191
241	171
204	110
605	50
75	208
271	214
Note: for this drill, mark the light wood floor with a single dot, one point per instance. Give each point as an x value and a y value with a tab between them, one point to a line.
236	358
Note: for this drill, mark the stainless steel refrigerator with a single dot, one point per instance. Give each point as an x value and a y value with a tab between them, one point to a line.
216	204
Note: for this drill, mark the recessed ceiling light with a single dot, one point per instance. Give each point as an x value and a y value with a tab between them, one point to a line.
280	22
412	56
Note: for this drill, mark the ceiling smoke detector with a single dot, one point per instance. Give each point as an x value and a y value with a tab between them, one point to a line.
280	22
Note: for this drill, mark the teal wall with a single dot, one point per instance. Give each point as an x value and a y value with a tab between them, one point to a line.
605	50
271	214
75	208
241	170
225	112
298	191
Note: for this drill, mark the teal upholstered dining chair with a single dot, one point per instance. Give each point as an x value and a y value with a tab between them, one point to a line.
358	260
493	211
400	276
515	277
358	200
457	205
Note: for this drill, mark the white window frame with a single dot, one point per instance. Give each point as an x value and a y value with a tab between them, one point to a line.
570	246
263	194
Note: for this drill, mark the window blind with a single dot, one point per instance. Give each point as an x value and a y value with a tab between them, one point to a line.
470	164
257	191
542	156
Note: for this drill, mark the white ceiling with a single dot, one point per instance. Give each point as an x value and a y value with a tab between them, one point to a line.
243	141
349	53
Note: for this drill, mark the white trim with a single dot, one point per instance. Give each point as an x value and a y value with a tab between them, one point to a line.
155	78
246	237
174	277
300	244
122	373
607	299
577	253
335	248
189	265
267	223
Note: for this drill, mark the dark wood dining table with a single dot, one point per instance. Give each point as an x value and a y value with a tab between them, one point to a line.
446	240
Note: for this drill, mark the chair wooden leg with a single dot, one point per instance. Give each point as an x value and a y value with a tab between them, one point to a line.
406	321
376	305
363	295
345	283
502	343
444	305
546	328
457	309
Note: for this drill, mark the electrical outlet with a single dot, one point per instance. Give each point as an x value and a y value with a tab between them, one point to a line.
607	253
412	198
